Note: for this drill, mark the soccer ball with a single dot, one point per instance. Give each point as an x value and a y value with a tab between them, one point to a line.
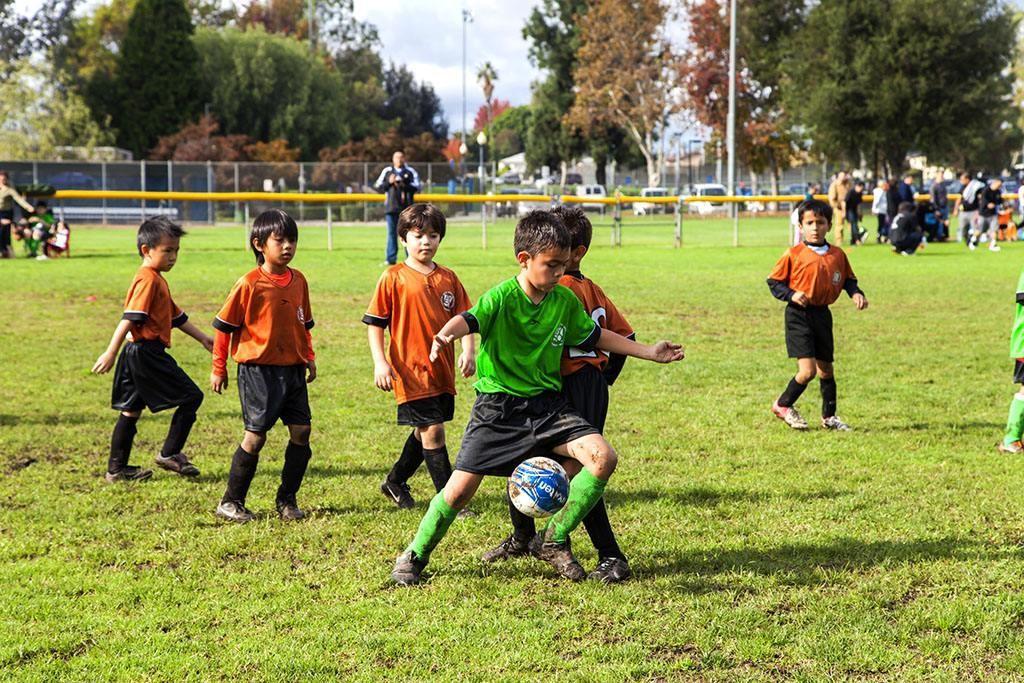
539	487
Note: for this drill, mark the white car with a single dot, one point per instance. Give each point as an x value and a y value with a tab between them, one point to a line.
707	190
644	208
591	191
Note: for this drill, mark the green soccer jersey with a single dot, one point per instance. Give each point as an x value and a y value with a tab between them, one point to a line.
1017	335
521	342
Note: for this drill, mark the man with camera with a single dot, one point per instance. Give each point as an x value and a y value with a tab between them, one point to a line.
399	182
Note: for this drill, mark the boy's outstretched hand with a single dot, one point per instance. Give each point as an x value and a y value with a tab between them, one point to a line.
218	383
860	301
382	376
441	341
666	352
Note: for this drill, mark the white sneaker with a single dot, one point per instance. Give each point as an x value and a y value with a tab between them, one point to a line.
993	247
972	245
789	415
835	424
42	257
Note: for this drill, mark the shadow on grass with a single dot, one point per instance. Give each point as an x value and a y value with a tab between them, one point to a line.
807	563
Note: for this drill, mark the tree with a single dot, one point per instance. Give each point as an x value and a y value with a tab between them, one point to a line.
625	73
487	114
335	26
509	129
416	107
270	86
926	75
157	82
21	36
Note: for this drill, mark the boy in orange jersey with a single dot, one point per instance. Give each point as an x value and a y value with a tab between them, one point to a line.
810	277
586	376
266	321
146	375
413	300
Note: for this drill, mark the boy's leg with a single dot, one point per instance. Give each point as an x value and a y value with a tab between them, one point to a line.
598	459
296	458
1014	424
435	454
121	441
171	456
829	419
394	485
243	469
784	406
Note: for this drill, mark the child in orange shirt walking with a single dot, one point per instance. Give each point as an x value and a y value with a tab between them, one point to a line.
810	277
413	300
266	321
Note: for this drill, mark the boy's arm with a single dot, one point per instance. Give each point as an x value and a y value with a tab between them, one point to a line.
662	352
467	360
781	290
106	359
191	330
456	328
382	374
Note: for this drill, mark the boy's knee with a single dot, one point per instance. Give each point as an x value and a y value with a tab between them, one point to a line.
805	375
132	414
299	434
431	436
253	442
195	400
598	456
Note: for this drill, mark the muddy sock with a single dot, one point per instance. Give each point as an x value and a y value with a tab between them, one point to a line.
584	491
433	527
1015	421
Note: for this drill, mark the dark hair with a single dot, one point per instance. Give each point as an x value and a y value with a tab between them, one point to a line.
815	206
271	222
577	223
42	203
421	217
905	207
857	182
540	230
965	174
155	230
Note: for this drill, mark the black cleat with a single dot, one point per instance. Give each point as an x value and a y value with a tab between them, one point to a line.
234	512
509	548
128	473
398	494
611	570
407	569
558	555
288	510
177	463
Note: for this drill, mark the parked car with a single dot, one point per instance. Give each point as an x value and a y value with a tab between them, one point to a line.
507	207
510	179
573	179
707	190
544	181
591	191
644	208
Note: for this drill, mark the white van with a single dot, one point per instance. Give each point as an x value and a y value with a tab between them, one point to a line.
707	190
644	208
591	191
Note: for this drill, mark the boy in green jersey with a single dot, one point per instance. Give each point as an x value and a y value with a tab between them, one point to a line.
1011	442
524	324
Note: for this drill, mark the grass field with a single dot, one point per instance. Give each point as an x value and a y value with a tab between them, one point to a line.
890	552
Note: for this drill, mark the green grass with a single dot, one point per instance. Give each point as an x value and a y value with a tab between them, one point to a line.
891	552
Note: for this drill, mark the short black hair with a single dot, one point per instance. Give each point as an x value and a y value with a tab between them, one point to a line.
271	222
155	230
421	217
904	207
42	203
857	182
539	231
577	223
815	206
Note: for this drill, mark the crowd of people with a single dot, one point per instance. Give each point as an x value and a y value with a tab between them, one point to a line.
908	222
43	235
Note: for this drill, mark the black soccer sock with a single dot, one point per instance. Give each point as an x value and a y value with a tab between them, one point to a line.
439	466
121	443
243	469
828	397
408	461
523	527
600	531
792	393
296	458
181	426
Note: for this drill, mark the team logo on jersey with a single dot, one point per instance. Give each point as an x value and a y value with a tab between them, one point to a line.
558	339
302	315
836	277
448	301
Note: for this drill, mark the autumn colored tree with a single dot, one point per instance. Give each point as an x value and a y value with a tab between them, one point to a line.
486	115
625	73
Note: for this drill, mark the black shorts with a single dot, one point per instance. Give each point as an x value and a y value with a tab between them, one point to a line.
273	392
587	391
1018	372
147	377
427	411
504	430
809	332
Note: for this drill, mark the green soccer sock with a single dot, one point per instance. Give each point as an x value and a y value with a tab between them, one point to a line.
433	527
584	492
1015	422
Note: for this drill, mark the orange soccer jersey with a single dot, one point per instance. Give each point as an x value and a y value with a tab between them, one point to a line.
150	308
269	323
820	276
414	307
604	313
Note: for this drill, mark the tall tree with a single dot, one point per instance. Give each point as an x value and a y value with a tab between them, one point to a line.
415	106
158	84
887	78
625	73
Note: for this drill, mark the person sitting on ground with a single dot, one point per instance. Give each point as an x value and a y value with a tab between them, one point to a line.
906	234
59	243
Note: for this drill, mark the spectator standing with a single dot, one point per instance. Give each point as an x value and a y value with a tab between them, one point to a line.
966	206
907	190
9	195
399	182
940	199
892	202
837	192
852	202
879	207
989	202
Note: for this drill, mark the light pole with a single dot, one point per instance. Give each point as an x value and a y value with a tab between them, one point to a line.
730	133
466	19
481	141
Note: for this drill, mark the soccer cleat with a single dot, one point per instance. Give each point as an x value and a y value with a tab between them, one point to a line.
398	493
128	473
507	549
466	513
234	512
1014	448
177	463
611	570
558	555
407	569
992	246
835	424
288	510
789	415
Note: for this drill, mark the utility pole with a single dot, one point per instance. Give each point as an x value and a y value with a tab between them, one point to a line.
730	134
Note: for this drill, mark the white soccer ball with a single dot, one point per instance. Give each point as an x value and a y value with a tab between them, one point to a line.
539	487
